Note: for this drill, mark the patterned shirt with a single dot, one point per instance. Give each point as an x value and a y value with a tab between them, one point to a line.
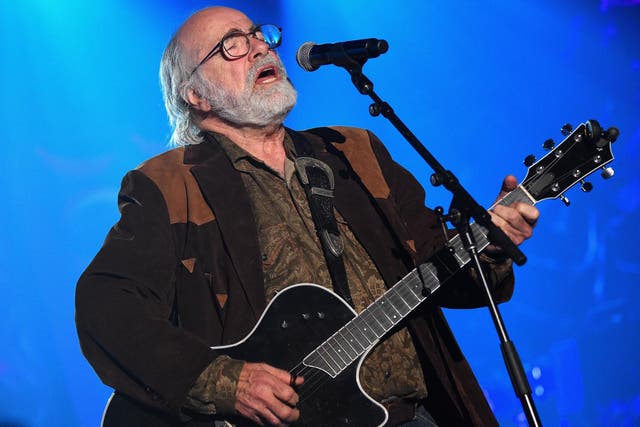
292	253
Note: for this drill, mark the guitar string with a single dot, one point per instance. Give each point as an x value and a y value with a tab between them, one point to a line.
317	377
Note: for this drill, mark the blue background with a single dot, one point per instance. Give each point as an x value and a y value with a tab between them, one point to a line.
483	84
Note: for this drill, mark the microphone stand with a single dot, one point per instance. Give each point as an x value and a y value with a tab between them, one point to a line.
463	208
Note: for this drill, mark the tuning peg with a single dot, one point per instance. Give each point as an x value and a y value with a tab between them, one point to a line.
607	172
594	131
612	134
529	160
566	129
586	186
565	200
548	144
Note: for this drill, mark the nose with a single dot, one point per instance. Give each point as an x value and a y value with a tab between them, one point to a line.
258	48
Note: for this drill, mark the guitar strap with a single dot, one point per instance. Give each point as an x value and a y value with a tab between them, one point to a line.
318	183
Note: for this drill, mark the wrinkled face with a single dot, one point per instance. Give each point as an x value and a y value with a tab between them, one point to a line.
252	90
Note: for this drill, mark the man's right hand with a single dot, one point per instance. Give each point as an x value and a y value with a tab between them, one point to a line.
265	395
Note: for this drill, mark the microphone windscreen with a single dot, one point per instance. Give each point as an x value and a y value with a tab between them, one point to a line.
303	56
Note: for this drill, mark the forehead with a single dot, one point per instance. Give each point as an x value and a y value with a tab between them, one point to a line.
219	22
227	22
208	26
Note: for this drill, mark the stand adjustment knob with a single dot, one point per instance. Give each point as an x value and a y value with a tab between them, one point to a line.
435	180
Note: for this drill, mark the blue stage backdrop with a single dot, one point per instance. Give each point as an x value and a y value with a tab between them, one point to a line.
483	84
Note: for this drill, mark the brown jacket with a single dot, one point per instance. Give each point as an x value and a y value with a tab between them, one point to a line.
181	271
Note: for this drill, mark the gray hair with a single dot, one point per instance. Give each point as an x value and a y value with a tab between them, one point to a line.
175	78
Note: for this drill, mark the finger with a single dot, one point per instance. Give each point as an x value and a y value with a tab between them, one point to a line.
295	381
529	213
276	412
263	391
249	413
511	218
512	223
267	410
286	394
280	374
259	415
508	184
284	413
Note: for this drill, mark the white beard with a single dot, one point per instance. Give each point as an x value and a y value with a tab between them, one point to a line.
255	106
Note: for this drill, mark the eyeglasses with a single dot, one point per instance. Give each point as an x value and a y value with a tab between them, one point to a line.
236	44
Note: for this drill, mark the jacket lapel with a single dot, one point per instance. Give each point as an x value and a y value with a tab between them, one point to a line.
222	188
366	218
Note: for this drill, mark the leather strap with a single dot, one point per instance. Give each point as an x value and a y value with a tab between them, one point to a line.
318	183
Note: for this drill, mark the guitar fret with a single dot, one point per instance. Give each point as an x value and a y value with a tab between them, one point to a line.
405	292
340	350
398	303
349	345
336	361
388	310
414	285
316	359
380	316
337	349
408	296
519	194
357	335
428	268
417	286
364	329
354	332
372	320
346	347
411	298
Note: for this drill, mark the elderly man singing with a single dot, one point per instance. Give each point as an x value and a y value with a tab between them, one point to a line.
214	233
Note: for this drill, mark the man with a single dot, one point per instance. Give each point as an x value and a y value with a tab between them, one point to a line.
212	230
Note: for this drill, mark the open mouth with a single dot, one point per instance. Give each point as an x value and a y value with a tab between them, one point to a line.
267	74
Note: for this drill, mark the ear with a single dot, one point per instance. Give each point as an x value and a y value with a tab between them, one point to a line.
197	102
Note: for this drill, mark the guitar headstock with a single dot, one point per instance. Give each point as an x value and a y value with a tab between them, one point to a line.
585	149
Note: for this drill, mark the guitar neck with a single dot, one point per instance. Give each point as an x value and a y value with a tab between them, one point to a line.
365	330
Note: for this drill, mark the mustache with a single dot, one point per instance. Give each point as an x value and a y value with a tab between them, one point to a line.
252	75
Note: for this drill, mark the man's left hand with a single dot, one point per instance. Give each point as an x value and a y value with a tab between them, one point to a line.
517	220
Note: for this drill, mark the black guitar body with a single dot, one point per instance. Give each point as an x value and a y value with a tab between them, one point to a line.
297	321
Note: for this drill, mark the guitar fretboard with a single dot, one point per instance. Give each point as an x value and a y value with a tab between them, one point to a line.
365	330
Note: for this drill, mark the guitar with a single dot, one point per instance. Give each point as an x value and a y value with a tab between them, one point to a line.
309	331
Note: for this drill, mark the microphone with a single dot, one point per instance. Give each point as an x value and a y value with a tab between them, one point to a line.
311	56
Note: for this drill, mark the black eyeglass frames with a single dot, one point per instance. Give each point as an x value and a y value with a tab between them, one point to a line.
236	44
